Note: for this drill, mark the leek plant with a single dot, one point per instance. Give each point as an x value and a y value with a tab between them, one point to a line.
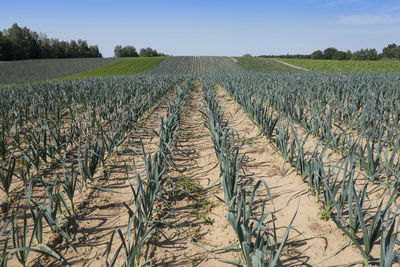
142	222
6	175
258	242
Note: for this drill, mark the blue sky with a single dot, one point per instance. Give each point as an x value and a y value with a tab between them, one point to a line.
218	27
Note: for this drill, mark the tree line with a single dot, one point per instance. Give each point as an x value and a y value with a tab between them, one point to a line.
130	51
392	51
18	43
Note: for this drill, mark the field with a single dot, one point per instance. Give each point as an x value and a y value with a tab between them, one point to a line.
195	65
256	64
376	66
127	66
200	162
35	70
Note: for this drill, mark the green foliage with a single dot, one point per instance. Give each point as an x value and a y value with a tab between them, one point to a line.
366	54
339	55
256	64
21	43
317	54
346	65
126	51
256	233
329	52
149	52
142	221
391	51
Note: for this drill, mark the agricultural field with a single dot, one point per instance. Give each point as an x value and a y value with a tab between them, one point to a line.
257	64
44	69
372	66
126	66
200	162
195	65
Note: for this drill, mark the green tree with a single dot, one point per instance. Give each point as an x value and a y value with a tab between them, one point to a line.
6	48
94	51
366	54
349	55
396	52
329	52
83	48
339	55
317	54
149	52
126	51
388	51
372	54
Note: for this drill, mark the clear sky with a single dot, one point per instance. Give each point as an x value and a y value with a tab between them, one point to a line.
213	27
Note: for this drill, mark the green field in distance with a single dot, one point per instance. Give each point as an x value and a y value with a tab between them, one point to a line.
256	64
377	66
23	71
122	67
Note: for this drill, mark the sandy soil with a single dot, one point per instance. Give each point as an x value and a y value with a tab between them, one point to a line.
98	212
311	241
199	223
198	227
103	211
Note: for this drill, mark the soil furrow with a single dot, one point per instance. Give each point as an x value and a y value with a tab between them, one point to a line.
312	241
101	212
199	221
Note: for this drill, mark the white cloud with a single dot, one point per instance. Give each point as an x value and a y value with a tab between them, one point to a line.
367	19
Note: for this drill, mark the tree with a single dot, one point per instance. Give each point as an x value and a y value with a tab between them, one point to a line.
396	52
366	54
94	51
83	48
6	48
349	55
388	51
372	54
149	52
329	52
247	55
73	49
339	55
16	35
21	43
47	49
127	51
317	54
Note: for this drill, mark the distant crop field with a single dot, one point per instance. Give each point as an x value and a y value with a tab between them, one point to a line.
378	66
196	65
255	64
43	69
127	66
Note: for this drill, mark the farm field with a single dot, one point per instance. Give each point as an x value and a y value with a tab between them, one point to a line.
195	65
44	69
371	66
126	66
256	64
199	161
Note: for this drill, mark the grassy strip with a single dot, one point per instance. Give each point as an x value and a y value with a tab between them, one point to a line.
255	64
378	66
127	66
